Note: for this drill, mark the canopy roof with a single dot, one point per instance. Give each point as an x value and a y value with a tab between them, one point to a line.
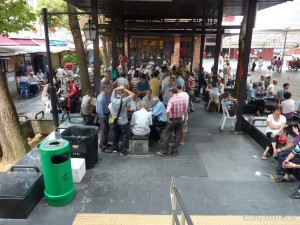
157	9
273	38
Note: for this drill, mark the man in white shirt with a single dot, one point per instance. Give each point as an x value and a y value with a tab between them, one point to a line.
141	120
40	75
131	71
220	85
33	81
271	90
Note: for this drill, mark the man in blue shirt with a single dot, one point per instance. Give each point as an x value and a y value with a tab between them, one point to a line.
179	80
142	87
159	117
103	113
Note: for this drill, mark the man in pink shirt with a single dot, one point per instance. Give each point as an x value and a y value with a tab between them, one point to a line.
176	109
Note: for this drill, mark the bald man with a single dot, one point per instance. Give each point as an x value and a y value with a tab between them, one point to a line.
141	120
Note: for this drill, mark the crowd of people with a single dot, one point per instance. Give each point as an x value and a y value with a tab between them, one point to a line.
145	101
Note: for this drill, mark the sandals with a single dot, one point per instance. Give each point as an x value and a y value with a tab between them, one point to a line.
282	180
264	157
295	195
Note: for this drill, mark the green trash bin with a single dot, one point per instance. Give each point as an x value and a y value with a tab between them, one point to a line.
57	171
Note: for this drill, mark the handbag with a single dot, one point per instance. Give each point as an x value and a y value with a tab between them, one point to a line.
114	120
283	138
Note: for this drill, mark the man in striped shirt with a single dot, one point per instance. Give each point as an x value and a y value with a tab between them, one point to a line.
190	86
87	108
176	109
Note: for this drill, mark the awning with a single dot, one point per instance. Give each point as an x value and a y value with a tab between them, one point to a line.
58	43
6	41
24	41
20	50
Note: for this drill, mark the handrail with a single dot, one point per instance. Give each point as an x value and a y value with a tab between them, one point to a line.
41	112
175	196
65	113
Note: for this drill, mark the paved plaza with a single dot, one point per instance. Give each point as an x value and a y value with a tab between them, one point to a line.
216	172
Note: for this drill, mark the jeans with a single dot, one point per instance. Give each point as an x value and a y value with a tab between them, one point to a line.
121	131
260	104
104	126
295	172
174	126
281	157
271	140
191	105
154	128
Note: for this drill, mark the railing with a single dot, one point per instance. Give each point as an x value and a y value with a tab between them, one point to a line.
175	197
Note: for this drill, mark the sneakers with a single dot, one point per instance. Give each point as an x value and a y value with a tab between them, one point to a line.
124	153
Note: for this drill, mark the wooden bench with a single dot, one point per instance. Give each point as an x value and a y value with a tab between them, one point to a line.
138	144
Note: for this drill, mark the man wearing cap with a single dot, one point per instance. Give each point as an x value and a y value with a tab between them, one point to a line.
175	110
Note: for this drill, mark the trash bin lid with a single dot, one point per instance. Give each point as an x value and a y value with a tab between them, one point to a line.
54	145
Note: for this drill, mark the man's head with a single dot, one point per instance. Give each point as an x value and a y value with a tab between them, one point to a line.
286	86
105	89
156	73
40	70
179	88
219	81
90	92
287	95
149	93
262	77
143	78
132	67
31	74
107	75
134	98
167	74
69	84
172	91
187	74
275	82
178	73
254	85
171	81
143	104
155	100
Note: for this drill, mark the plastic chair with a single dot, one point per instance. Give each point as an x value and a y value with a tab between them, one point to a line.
24	89
226	116
212	99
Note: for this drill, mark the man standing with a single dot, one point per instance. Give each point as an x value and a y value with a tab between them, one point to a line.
179	79
141	120
142	87
175	110
72	96
69	67
159	117
121	128
186	97
155	84
165	90
121	81
103	113
190	89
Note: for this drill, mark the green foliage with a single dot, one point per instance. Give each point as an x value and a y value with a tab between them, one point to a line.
15	15
72	58
59	20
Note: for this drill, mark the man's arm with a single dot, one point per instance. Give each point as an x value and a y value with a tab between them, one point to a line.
128	92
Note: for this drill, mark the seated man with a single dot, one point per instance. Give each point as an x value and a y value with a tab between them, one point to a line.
33	81
271	90
159	117
141	120
40	76
134	104
260	103
147	99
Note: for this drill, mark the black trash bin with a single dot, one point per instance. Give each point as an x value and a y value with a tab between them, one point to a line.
84	143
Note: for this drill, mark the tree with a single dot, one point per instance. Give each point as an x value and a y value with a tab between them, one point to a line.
14	16
80	52
63	20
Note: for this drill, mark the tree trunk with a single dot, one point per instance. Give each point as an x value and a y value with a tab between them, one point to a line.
14	145
106	60
80	52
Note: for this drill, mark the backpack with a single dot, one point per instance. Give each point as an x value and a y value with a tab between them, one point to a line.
225	69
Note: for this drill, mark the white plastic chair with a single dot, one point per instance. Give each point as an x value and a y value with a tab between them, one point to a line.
226	116
213	99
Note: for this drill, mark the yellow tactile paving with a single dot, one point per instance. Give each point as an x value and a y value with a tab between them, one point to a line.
137	219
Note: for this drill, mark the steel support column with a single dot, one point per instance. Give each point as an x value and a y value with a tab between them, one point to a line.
193	54
94	8
51	86
251	15
218	40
